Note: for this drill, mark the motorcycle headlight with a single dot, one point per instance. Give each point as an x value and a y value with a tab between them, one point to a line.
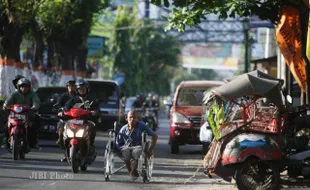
70	133
79	133
179	118
18	109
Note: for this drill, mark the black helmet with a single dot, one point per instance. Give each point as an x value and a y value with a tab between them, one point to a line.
72	82
23	82
17	77
82	82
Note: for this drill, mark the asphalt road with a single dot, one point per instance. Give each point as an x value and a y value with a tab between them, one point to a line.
42	169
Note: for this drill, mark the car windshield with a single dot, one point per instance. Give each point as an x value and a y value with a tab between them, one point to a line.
106	92
48	95
191	96
129	104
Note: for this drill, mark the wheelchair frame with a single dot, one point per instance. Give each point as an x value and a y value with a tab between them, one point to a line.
145	165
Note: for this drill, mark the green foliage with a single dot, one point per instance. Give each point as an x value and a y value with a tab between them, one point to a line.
191	12
143	52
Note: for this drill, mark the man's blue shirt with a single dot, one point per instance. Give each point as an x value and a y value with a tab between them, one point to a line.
133	138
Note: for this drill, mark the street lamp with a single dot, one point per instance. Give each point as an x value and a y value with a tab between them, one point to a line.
246	29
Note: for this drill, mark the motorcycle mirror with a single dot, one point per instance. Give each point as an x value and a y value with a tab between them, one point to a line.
289	99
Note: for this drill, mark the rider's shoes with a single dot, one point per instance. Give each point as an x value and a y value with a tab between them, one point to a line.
64	159
58	142
5	145
134	174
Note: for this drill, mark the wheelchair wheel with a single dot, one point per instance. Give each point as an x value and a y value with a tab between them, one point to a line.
147	169
108	161
146	164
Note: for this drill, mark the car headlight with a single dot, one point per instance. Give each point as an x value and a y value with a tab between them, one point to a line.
79	133
18	109
179	118
70	133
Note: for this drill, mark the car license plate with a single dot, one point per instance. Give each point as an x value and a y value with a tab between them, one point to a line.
51	128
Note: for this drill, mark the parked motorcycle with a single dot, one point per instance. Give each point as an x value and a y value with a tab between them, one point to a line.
17	129
77	139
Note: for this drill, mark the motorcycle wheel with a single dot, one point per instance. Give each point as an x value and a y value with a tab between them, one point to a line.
74	159
257	174
15	149
22	154
83	167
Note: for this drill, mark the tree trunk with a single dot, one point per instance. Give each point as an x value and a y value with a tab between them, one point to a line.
66	61
80	63
53	64
10	40
37	64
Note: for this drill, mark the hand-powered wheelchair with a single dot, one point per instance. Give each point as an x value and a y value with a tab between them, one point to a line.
145	164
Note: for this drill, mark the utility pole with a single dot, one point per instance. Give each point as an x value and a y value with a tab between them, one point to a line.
246	28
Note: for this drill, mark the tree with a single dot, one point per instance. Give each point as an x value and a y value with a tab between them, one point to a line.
188	13
143	53
66	25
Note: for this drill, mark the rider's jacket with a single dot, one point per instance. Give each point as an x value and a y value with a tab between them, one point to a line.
80	102
150	103
64	98
30	99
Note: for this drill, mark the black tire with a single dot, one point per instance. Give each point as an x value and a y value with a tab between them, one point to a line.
174	147
107	172
257	174
83	167
22	154
74	159
148	169
15	147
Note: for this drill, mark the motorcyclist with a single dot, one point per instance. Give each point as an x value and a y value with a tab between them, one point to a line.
61	101
24	96
151	103
17	77
82	98
138	103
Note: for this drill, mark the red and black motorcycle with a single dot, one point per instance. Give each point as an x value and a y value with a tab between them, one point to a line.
76	136
17	129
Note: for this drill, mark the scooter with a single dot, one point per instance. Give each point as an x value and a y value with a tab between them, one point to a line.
17	129
77	139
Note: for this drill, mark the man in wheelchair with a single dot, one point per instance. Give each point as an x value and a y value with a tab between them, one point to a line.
128	142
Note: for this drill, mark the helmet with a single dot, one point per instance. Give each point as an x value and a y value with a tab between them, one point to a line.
72	82
23	82
17	77
139	97
82	82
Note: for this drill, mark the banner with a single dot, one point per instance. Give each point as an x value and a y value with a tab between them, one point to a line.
289	41
308	37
